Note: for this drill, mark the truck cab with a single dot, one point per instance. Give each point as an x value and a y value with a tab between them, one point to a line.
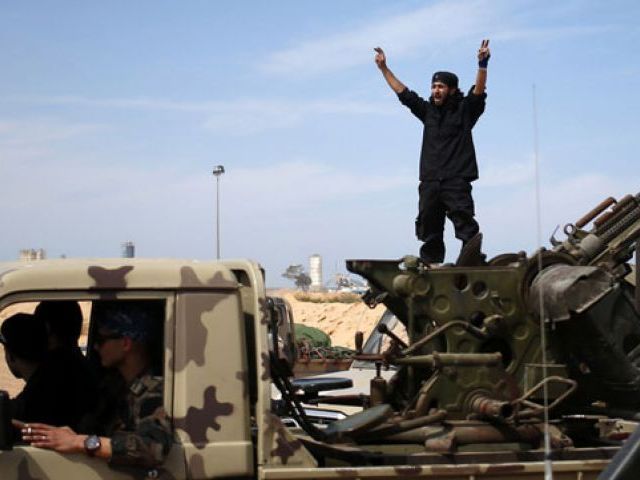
215	386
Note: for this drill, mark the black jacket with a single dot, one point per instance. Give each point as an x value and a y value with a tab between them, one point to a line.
447	145
60	392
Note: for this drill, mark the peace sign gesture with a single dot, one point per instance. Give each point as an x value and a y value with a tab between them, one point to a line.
484	54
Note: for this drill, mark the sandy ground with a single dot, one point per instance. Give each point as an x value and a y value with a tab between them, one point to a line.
339	320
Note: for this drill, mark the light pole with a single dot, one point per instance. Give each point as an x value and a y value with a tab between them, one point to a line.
218	170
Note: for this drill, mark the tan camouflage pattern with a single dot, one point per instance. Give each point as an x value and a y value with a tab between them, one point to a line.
107	280
570	470
207	375
198	420
211	408
4	272
111	274
286	450
30	463
151	437
169	341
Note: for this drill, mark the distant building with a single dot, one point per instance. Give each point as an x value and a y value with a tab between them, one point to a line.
30	254
128	250
315	272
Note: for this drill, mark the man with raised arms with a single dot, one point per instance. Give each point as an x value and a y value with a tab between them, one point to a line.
448	159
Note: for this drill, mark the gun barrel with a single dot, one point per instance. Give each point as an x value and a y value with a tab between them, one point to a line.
610	226
602	206
621	225
621	208
437	360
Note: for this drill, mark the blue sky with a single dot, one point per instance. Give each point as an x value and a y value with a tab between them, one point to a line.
112	115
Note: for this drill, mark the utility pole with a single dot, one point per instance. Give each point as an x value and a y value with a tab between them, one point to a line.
218	170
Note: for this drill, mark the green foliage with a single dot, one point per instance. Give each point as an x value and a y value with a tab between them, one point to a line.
315	336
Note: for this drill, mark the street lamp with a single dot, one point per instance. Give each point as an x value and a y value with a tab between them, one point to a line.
218	170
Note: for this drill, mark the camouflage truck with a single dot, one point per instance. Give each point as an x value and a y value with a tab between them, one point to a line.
465	402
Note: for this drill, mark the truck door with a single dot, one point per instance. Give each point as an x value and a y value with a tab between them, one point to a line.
211	400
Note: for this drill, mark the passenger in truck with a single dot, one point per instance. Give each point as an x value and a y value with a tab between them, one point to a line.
73	380
135	430
24	338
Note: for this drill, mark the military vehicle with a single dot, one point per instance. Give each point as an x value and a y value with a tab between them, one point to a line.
510	368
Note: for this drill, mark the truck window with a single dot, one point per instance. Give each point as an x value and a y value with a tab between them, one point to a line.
63	372
8	381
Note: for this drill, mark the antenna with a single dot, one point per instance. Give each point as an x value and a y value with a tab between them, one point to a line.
548	467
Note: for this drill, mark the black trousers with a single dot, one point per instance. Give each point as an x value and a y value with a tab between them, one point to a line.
439	198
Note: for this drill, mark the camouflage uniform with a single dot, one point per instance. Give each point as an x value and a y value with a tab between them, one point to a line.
132	415
134	418
141	435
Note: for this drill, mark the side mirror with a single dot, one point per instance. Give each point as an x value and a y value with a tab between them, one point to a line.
6	429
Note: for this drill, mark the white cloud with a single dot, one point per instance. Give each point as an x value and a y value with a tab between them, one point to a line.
239	117
103	201
431	26
249	116
551	33
135	103
501	174
41	131
435	27
302	184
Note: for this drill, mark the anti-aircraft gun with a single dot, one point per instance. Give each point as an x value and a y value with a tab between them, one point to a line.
476	369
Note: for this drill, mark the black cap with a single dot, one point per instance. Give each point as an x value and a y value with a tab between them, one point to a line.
24	336
448	78
133	319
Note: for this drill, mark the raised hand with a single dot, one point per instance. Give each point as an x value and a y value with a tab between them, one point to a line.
484	54
381	61
380	58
